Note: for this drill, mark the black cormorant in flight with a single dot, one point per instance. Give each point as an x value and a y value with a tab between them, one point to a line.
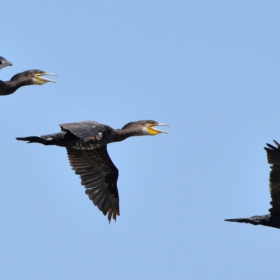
272	219
26	78
4	62
86	145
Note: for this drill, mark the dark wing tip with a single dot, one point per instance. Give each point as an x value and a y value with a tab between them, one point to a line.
99	176
113	212
271	146
278	145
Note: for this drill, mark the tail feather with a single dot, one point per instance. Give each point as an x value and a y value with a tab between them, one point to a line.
239	220
244	220
57	139
35	139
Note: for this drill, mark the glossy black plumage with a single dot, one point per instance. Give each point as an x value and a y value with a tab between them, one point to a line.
86	144
272	219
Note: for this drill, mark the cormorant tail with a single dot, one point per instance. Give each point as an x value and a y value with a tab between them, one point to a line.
244	220
36	139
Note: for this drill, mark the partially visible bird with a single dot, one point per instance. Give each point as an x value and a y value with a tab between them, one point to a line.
86	145
4	62
26	78
272	219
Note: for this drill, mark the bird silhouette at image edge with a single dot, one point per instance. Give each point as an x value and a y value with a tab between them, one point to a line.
272	219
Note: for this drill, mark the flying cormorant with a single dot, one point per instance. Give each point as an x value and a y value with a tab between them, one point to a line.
272	219
86	145
4	62
29	77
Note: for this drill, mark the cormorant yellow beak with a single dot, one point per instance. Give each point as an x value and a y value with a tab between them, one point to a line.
155	131
42	80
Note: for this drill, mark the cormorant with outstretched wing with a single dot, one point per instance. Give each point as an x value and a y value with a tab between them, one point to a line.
86	144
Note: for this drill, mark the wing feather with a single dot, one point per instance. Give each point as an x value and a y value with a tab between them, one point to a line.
273	157
99	176
86	130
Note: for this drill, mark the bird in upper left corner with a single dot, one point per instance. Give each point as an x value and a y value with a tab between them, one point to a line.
26	78
4	62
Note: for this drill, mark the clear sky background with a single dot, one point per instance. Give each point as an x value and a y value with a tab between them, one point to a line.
208	68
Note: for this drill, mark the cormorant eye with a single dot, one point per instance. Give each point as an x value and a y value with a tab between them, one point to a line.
0	62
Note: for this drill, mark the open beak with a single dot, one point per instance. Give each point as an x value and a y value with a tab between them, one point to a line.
155	131
42	80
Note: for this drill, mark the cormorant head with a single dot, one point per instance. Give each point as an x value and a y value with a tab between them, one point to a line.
37	77
4	62
34	77
146	127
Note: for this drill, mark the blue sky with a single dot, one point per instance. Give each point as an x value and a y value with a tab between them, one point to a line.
210	70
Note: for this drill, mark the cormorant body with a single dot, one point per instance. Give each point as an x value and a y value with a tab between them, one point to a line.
86	145
4	62
272	219
29	77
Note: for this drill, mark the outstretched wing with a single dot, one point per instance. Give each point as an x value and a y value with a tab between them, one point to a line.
87	130
273	157
99	176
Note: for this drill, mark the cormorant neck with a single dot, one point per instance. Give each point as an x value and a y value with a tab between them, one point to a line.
122	134
11	86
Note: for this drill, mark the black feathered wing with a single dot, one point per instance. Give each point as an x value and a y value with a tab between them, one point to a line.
273	157
99	176
86	130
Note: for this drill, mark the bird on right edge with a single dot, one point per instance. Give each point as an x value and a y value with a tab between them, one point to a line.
272	219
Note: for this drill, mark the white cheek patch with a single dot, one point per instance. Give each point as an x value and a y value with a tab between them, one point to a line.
37	81
146	131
